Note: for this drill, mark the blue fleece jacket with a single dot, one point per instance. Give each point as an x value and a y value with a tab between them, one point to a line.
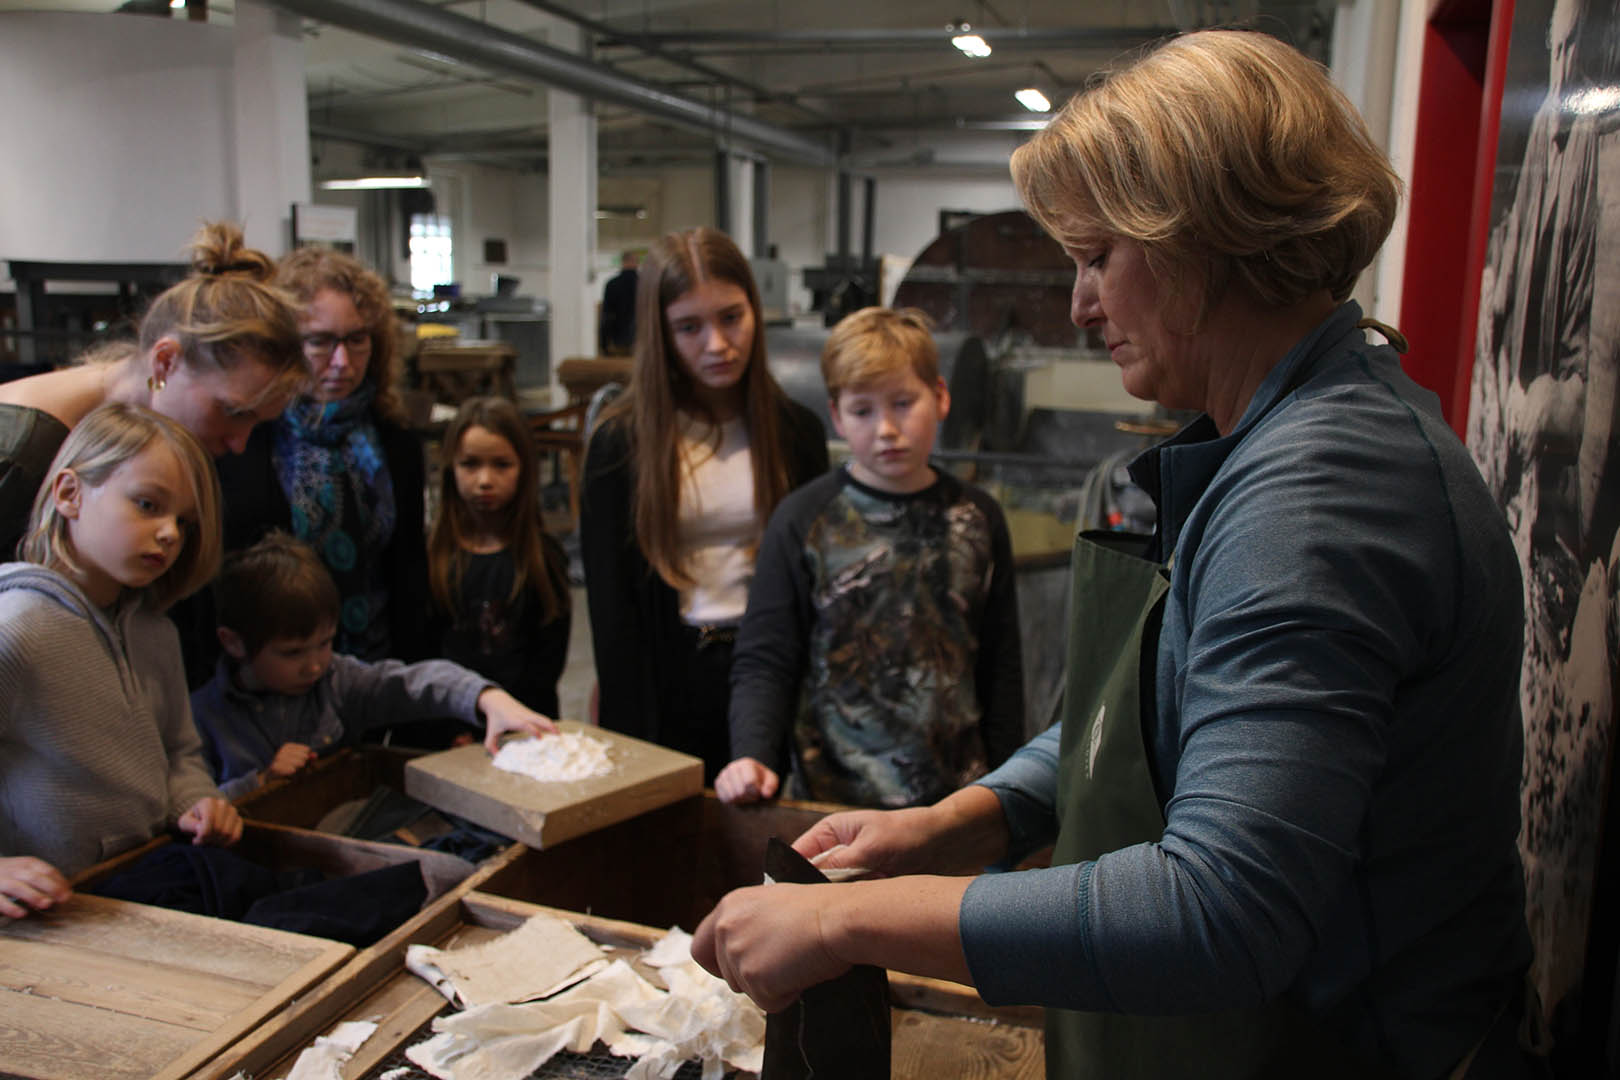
1335	737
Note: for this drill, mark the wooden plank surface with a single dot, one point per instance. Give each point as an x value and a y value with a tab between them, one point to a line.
462	781
56	1040
104	987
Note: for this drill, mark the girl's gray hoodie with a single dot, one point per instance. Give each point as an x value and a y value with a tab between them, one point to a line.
97	749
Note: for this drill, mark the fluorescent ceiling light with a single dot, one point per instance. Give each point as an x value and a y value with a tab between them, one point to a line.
373	183
972	44
1033	100
176	5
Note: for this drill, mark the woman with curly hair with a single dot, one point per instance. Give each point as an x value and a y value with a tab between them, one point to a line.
339	469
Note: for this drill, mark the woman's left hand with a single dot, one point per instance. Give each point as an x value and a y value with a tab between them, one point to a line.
504	713
767	941
212	821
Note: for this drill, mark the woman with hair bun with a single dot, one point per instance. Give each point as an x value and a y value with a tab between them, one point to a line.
339	469
1283	796
219	352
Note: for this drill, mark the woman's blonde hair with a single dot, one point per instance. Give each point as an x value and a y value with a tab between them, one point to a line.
532	566
875	342
1230	157
306	271
674	266
227	313
106	438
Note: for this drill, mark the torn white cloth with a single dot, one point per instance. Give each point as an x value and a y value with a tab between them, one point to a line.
536	960
324	1059
698	1017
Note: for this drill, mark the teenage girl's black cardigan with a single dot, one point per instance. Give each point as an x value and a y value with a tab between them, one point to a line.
635	616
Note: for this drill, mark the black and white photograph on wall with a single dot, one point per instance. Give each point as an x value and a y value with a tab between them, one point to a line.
1542	426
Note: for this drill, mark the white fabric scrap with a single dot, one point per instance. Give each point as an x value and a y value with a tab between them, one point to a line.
536	960
569	755
698	1017
324	1059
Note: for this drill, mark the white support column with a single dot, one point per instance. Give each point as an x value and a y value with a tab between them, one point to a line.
271	128
571	157
742	202
1365	37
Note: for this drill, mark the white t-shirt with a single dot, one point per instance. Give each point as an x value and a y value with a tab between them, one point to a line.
715	525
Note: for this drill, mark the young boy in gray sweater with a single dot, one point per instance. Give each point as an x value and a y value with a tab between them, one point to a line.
280	696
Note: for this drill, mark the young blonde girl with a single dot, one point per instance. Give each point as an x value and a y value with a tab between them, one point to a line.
97	748
499	581
680	478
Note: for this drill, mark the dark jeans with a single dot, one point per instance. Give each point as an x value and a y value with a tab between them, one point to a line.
697	695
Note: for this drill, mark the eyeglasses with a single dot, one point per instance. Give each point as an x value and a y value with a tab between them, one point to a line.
321	346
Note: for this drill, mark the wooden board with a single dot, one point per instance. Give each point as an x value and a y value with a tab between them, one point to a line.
105	988
462	781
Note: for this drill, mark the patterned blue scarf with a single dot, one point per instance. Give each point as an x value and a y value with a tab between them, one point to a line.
328	458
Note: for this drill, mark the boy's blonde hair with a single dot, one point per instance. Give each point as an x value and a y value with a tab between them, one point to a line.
106	438
873	343
278	588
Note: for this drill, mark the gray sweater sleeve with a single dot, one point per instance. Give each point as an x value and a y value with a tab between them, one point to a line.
189	779
375	694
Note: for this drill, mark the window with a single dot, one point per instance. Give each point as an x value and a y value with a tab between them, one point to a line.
430	252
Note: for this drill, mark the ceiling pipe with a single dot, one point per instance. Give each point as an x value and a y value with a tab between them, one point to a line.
653	50
410	22
1103	37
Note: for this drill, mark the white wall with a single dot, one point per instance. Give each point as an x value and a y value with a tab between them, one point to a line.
120	136
488	203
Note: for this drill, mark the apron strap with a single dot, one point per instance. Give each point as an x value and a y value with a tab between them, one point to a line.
1396	339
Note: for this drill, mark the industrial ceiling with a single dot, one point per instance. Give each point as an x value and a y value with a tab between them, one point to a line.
864	80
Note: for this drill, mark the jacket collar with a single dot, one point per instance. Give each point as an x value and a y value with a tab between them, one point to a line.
1176	472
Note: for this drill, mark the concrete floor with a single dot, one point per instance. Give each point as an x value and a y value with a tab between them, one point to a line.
579	675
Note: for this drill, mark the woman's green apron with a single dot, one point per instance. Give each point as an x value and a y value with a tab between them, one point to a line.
1106	801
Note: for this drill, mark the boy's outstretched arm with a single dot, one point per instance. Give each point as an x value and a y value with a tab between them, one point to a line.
504	713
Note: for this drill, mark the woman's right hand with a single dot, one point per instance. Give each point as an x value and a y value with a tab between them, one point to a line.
961	833
30	884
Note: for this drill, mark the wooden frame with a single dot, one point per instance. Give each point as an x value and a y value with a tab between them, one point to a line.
940	1029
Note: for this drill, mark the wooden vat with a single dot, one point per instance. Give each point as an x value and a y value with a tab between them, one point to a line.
939	1028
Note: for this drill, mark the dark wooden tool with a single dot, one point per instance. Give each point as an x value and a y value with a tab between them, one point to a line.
839	1029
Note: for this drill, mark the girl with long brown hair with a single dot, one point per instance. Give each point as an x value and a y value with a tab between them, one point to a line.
500	582
679	480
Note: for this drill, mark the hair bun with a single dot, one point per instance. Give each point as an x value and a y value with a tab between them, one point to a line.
218	250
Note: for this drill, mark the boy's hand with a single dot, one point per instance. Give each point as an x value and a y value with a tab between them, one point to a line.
212	821
30	884
746	780
290	758
504	713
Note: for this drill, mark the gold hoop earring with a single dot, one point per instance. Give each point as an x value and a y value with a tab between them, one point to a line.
154	384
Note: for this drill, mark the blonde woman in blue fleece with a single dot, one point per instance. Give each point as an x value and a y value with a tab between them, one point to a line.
1284	793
